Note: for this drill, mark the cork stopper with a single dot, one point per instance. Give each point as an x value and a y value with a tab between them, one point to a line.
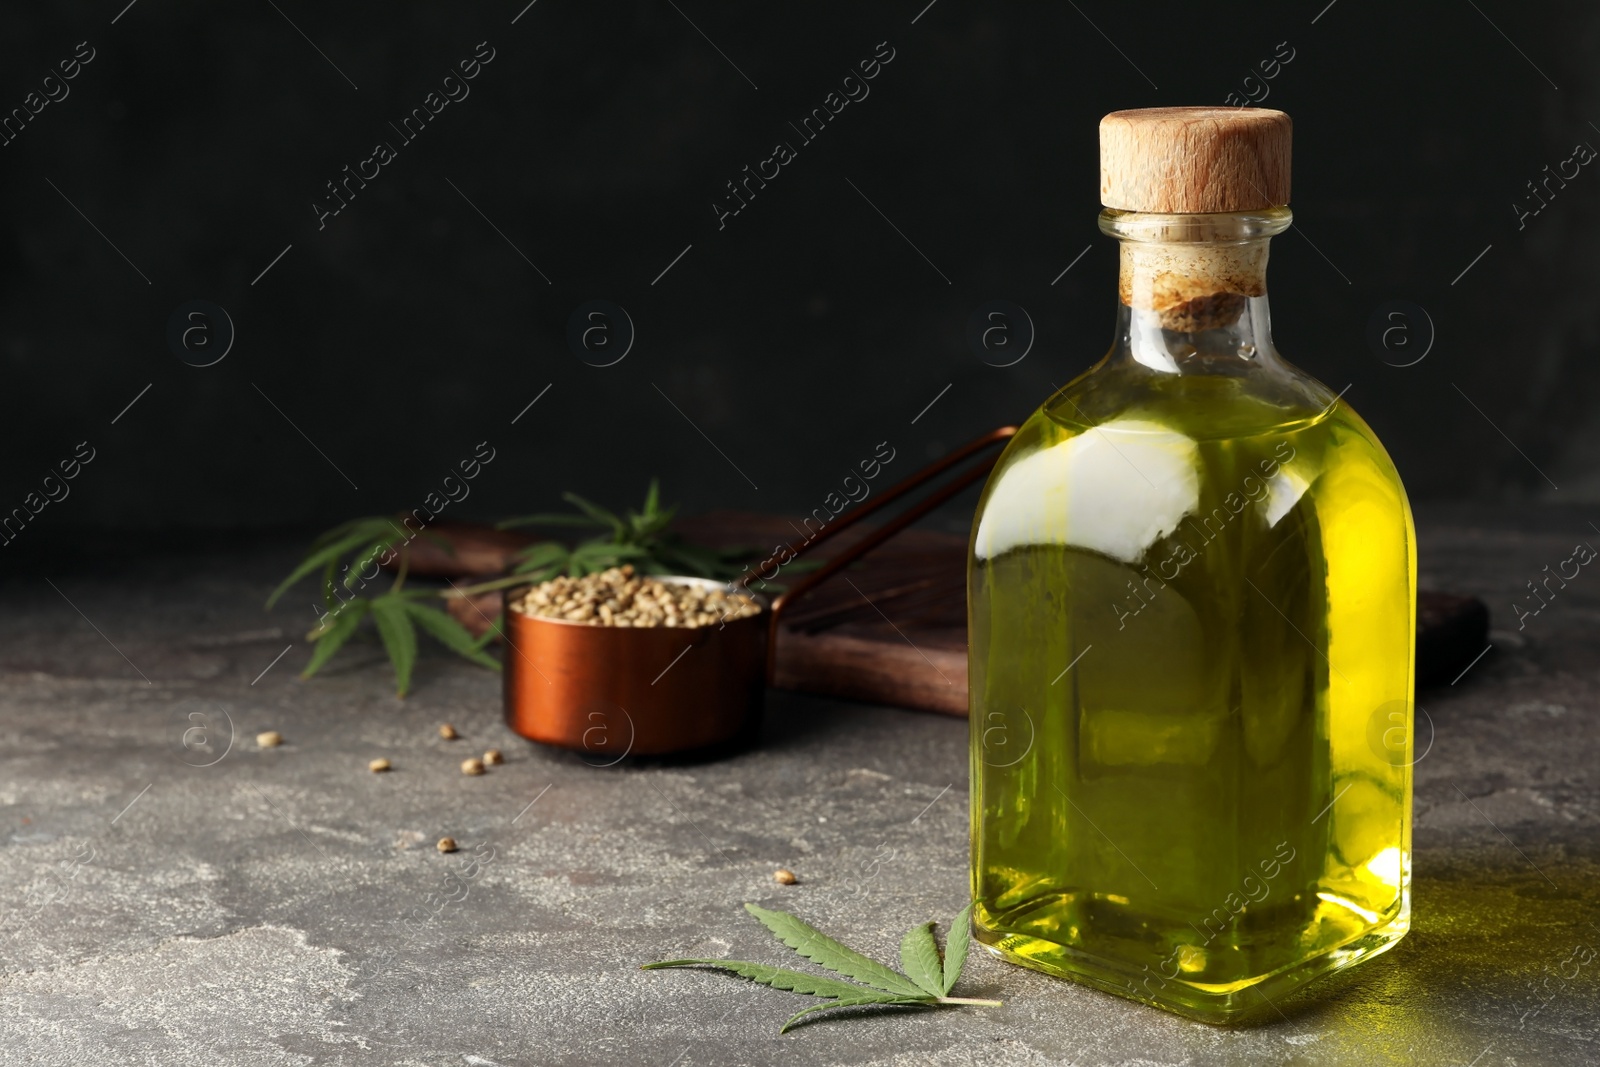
1188	160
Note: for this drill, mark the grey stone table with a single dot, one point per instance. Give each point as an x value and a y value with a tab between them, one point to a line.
171	894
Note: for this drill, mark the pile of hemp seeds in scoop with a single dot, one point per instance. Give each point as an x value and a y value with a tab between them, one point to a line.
619	597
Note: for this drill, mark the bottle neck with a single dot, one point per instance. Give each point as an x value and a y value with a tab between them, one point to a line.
1193	289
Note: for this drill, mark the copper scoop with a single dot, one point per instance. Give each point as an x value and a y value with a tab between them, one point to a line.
611	692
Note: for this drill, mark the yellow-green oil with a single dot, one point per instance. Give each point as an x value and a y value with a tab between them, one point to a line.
1191	639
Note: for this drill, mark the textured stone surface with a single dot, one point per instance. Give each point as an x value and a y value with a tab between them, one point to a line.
288	907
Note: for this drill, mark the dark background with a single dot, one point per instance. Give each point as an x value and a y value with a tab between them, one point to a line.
806	331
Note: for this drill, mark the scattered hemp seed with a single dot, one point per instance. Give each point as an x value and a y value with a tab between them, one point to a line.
378	766
446	844
448	732
784	876
493	757
269	739
472	766
619	597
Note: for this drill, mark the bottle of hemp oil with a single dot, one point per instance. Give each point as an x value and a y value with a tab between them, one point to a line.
1192	606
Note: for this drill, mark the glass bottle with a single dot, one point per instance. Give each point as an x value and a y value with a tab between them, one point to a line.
1192	598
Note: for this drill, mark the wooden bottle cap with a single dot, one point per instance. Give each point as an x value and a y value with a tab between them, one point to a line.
1188	160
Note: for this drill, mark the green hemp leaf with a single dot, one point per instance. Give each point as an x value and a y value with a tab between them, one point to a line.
350	556
927	980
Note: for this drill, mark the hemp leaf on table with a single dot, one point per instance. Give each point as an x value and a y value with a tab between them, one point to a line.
374	542
927	980
351	555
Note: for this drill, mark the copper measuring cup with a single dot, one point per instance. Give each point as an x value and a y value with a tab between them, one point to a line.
612	691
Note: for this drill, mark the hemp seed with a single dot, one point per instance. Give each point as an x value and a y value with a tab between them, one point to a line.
472	766
269	739
493	757
448	732
619	597
446	844
378	766
784	876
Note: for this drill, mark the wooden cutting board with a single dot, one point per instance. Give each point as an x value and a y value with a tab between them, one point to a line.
892	629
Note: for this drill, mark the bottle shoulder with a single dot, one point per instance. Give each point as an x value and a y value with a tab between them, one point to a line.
1234	399
1159	452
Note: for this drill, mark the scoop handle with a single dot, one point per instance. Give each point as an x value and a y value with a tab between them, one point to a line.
878	536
